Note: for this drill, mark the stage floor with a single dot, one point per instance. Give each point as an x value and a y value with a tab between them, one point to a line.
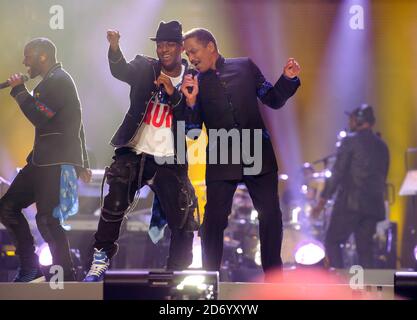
295	285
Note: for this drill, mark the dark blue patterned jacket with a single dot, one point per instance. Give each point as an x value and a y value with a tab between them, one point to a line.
55	111
228	99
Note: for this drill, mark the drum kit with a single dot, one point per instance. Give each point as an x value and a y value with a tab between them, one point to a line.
300	230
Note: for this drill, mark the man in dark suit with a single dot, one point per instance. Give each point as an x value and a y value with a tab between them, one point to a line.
358	176
228	91
58	157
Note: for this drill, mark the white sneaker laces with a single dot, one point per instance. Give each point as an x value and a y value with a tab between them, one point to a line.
97	269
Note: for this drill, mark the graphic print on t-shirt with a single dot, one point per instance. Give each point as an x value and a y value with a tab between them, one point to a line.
155	135
158	116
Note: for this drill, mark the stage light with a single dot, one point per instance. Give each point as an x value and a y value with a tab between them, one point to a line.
327	173
253	215
310	253
415	253
195	286
257	258
342	134
157	285
304	189
45	256
8	250
283	177
97	172
197	260
294	214
196	281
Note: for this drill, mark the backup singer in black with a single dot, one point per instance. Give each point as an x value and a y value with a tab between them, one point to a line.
359	180
59	154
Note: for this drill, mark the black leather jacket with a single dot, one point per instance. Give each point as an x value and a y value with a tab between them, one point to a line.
359	174
140	74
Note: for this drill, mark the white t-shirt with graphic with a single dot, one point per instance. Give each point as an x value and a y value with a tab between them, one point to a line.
155	136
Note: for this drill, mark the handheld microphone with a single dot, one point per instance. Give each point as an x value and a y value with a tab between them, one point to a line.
161	91
191	70
6	84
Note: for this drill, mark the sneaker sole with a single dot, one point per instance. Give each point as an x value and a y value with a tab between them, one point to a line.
38	280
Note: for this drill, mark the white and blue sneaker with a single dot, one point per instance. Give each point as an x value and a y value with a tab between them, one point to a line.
98	268
32	275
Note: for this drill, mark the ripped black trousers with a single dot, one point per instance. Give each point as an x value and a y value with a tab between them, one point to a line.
170	182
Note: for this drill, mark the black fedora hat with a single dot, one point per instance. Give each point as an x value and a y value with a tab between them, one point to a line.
169	31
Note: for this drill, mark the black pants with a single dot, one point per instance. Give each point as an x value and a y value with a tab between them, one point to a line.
342	224
175	193
263	190
38	185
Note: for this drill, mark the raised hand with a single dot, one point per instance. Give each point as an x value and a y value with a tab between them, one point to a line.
292	68
113	36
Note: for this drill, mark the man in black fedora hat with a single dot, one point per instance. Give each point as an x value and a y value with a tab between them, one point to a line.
169	31
358	177
144	138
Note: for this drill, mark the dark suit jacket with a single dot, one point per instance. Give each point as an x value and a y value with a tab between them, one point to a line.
228	99
359	175
55	111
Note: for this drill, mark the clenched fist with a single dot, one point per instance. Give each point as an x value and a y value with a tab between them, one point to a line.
113	36
292	68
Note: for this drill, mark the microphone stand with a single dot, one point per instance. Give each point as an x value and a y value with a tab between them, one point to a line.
325	160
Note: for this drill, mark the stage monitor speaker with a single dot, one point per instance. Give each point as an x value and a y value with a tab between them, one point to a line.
405	284
161	285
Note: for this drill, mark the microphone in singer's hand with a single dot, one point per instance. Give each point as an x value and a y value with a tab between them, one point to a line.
161	91
6	84
193	73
